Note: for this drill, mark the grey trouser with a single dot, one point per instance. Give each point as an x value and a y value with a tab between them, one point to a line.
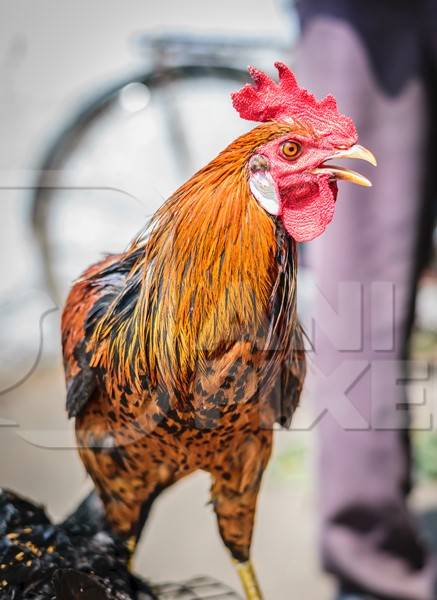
377	57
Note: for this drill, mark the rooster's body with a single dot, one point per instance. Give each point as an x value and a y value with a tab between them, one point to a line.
182	352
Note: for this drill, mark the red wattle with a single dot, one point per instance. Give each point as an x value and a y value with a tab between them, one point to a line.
307	217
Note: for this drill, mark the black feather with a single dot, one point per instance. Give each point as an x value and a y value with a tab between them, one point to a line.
76	560
80	388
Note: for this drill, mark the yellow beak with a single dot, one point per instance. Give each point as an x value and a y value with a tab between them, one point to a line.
356	151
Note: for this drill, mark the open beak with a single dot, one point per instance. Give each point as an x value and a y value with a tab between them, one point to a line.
356	151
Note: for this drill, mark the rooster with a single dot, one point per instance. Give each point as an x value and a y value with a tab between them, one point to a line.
183	351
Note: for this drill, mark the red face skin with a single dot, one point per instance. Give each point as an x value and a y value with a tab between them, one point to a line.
307	200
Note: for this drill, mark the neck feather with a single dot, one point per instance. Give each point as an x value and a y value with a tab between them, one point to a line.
204	277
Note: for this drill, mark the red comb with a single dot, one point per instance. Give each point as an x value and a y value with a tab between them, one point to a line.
267	100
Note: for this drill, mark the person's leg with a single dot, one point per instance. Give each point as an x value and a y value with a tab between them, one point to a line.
367	54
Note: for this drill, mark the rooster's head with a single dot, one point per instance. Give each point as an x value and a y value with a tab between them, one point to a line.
292	176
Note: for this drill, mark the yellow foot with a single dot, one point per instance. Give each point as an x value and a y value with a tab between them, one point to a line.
131	544
249	581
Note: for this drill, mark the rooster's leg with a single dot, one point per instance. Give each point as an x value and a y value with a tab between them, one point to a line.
129	466
234	493
249	580
235	514
127	493
127	517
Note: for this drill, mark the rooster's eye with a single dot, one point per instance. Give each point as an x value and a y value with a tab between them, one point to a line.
291	150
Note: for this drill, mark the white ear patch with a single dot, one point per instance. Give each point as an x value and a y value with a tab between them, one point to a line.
263	188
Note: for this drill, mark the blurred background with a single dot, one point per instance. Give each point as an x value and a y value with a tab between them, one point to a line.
100	119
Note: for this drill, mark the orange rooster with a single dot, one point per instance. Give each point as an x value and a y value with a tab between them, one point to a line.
182	352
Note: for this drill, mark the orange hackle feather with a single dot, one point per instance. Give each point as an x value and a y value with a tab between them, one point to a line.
205	270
